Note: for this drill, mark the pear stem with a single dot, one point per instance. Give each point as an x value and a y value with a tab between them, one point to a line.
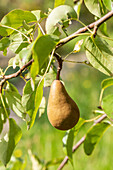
59	68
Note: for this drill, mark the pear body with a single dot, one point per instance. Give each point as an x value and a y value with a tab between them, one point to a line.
62	111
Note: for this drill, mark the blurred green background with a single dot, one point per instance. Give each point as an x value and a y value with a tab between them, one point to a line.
83	83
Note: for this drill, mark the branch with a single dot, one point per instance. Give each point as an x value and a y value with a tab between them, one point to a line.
75	147
85	29
7	77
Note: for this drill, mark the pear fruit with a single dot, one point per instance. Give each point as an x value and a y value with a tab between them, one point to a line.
62	111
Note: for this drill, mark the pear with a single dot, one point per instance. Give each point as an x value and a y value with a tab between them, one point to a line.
62	111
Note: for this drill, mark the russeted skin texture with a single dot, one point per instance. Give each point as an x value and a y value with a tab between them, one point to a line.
62	111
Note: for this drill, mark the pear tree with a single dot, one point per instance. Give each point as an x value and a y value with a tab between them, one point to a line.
38	62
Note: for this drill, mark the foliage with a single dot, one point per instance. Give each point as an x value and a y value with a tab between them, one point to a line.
34	60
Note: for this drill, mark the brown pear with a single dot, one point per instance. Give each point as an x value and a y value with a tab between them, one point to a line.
62	111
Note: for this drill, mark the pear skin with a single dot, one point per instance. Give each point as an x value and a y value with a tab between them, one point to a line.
62	111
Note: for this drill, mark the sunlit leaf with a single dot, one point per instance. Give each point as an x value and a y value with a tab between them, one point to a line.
13	99
99	54
69	2
77	7
38	14
78	126
103	29
42	106
4	111
93	136
50	76
68	143
44	67
4	43
58	16
11	87
107	83
28	98
38	98
22	58
16	47
78	46
9	142
94	7
107	105
108	4
16	17
59	2
41	51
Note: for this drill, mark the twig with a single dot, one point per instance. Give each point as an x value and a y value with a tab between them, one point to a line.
84	29
78	62
75	147
14	75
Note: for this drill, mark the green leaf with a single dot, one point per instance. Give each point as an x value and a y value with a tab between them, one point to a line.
11	87
103	29
9	142
13	99
108	4
41	51
53	162
78	126
22	58
69	2
16	47
28	98
94	7
5	31
77	7
38	98
50	76
39	14
16	17
107	105
4	111
68	143
58	16
42	107
1	119
3	115
43	68
103	8
100	55
4	43
107	83
93	136
18	41
58	3
14	20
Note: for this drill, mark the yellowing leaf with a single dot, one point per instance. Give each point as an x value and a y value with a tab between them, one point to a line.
78	46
